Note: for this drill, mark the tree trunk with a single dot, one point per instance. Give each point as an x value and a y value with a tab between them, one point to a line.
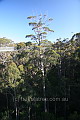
16	108
7	105
44	87
29	113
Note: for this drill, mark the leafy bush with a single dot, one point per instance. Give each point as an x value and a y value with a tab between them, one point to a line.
46	116
74	116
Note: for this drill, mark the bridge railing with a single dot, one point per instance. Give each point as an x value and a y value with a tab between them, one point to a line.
7	49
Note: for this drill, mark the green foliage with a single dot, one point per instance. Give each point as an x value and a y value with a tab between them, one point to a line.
28	43
30	17
21	45
46	116
5	42
4	116
21	68
13	74
77	54
39	27
22	76
74	116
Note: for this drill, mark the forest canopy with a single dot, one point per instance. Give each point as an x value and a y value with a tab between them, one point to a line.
40	80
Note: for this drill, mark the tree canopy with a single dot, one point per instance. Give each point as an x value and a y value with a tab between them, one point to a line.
41	80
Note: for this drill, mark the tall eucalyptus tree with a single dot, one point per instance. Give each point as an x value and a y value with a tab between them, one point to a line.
41	29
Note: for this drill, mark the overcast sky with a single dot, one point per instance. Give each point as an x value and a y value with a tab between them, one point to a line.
14	13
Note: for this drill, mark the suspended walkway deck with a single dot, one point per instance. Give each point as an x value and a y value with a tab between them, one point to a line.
6	49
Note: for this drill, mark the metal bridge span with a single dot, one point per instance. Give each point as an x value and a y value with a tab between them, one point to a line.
6	49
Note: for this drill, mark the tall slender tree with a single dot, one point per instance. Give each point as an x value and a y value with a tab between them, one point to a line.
41	29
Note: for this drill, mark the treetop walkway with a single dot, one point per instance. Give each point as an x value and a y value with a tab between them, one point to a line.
5	49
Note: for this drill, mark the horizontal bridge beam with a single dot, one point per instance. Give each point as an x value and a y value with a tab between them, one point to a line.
4	49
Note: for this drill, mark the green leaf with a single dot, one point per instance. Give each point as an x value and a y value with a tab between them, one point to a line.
33	23
30	17
29	36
